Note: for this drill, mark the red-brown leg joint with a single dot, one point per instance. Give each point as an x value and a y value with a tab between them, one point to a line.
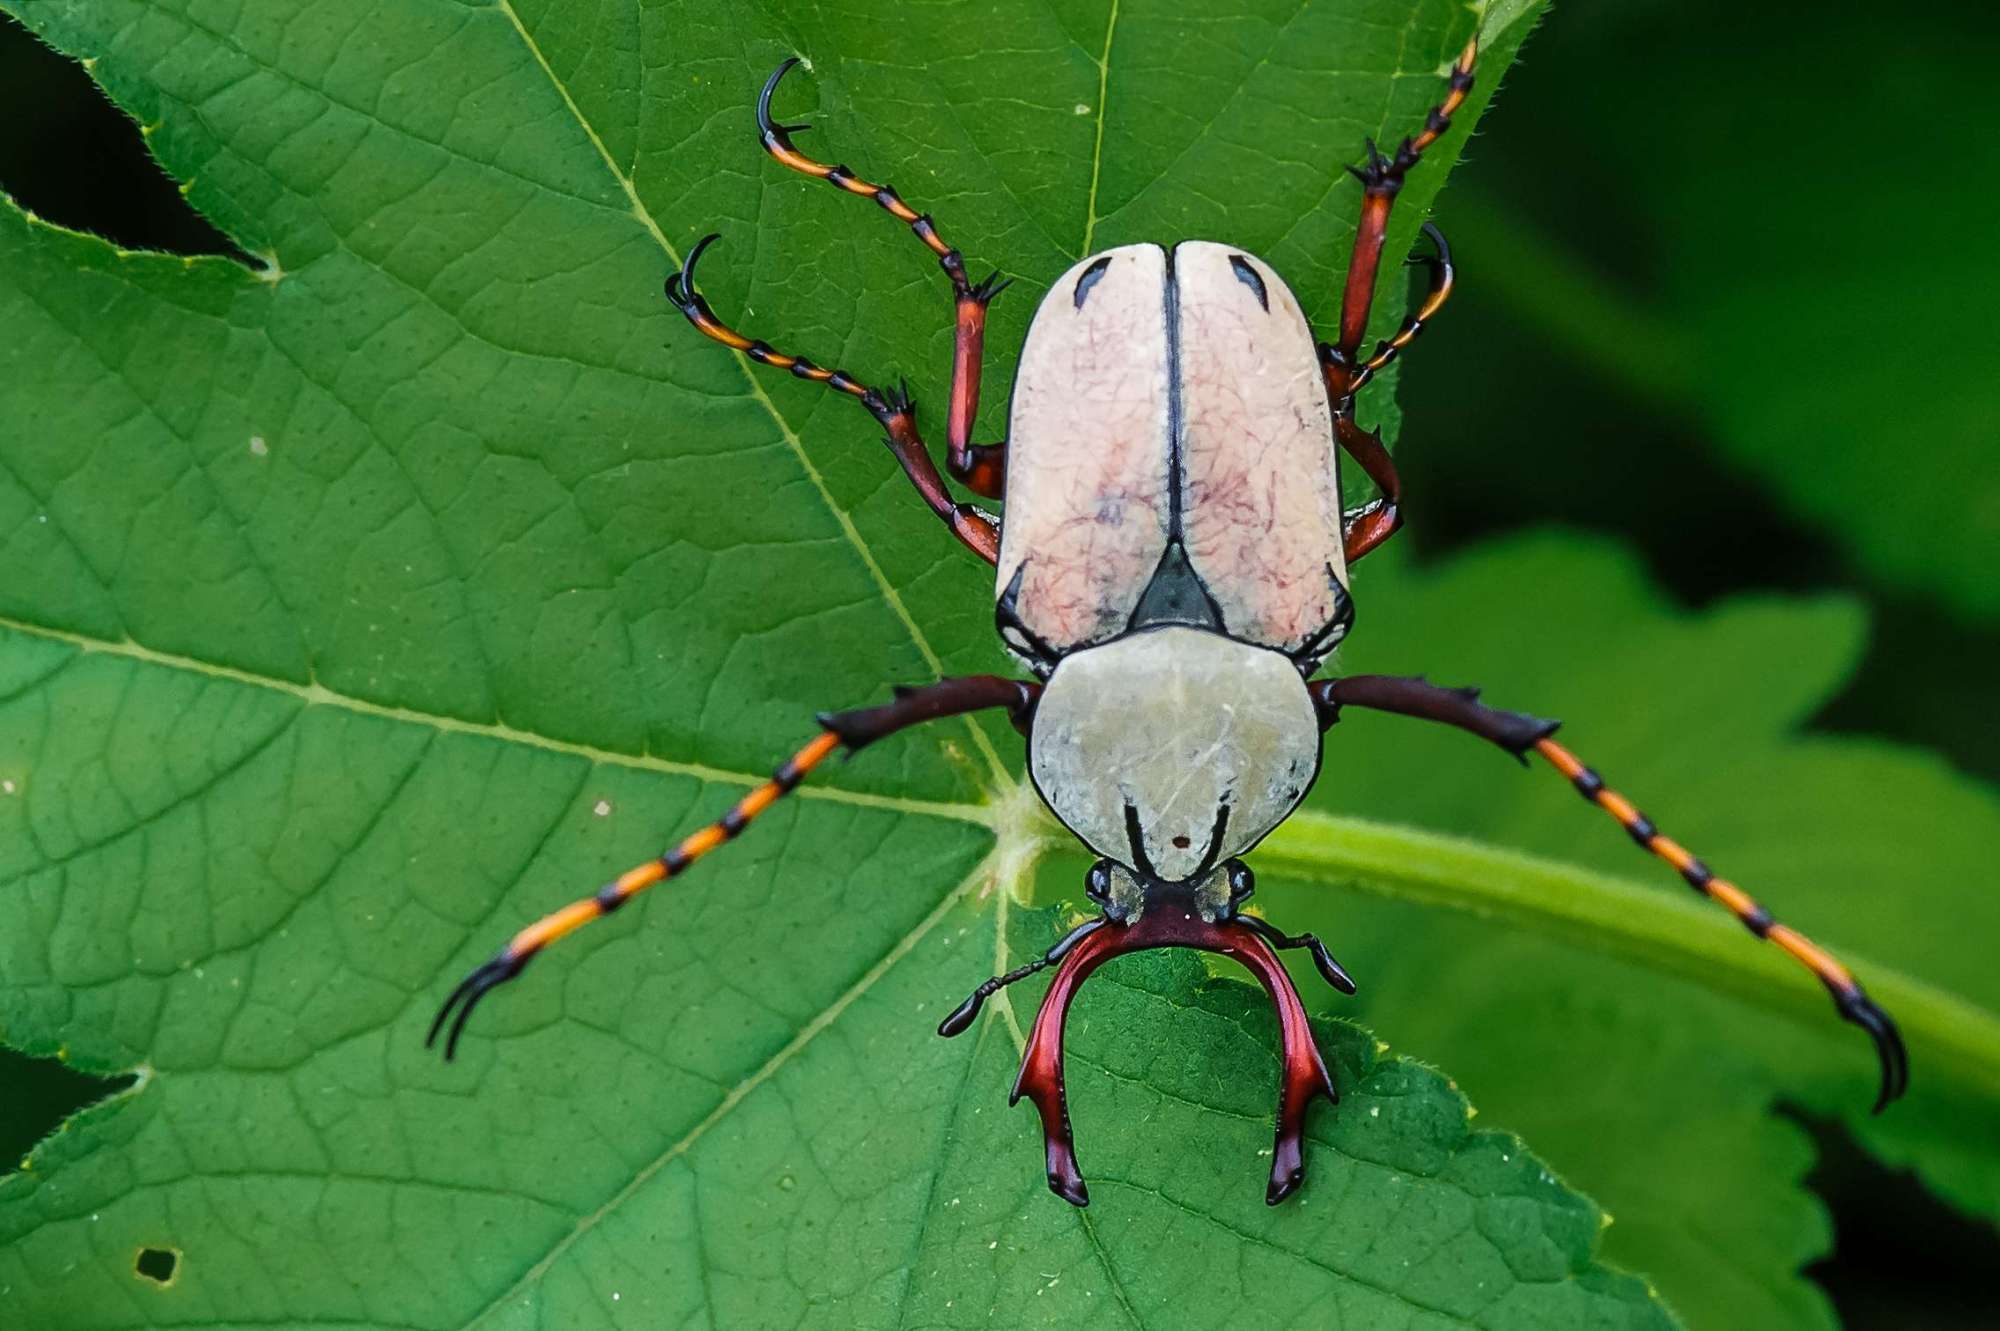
1041	1076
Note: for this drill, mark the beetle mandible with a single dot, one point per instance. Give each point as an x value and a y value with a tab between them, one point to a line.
1173	570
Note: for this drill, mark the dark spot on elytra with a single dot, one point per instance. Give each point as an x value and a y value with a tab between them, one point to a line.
1090	277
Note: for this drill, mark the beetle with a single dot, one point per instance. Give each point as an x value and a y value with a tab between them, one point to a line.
1172	571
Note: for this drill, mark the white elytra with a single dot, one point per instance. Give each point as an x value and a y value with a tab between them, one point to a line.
1086	495
1172	397
1261	496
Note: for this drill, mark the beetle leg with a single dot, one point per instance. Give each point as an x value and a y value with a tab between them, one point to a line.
893	410
1442	278
1519	734
980	467
1381	179
1376	521
1330	970
853	730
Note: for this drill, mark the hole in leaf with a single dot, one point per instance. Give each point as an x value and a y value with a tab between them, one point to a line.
74	158
159	1265
41	1093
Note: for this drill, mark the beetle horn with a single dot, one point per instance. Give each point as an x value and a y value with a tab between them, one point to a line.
1041	1077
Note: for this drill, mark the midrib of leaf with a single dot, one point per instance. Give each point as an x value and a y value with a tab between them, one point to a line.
1097	148
1001	779
1668	933
315	694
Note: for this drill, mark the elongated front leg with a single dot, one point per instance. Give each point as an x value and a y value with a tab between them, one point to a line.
853	730
980	467
1519	734
1303	1075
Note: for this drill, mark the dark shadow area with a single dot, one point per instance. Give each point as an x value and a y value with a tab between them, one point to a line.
72	157
1507	426
1901	1258
1551	443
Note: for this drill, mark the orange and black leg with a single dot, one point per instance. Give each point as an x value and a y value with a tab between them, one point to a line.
1381	181
1519	734
981	468
894	411
1344	382
1341	361
853	731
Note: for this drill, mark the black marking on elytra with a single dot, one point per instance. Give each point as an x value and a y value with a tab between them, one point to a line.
1247	275
1031	646
1089	278
1329	635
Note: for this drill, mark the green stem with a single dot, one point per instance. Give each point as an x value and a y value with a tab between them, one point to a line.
1668	933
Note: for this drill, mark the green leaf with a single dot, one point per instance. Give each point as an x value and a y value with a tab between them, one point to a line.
1630	1031
375	602
1787	273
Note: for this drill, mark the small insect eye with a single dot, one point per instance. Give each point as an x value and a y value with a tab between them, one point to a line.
1241	880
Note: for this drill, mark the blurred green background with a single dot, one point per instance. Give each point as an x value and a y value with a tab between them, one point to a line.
1721	275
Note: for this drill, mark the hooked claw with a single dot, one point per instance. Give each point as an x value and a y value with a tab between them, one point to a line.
471	989
680	283
1857	1007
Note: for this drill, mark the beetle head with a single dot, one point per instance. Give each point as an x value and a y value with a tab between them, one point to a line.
1170	750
